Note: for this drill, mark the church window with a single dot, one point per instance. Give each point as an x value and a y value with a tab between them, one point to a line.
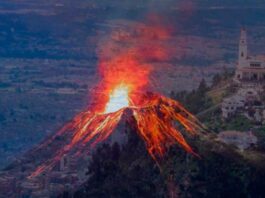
255	64
254	77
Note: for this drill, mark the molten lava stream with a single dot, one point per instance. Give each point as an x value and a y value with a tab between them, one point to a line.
155	118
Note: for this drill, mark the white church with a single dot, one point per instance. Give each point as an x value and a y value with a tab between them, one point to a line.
250	80
249	68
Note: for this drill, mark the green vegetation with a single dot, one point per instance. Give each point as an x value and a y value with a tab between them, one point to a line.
220	79
194	101
260	133
130	172
240	123
122	172
215	123
217	174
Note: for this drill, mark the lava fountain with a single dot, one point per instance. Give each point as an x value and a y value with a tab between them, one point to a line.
125	77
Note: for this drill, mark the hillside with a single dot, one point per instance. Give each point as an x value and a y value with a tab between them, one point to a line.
222	170
129	172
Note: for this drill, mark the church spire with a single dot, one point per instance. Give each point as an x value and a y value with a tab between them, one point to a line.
243	51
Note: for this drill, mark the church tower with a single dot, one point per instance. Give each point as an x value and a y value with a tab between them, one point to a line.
243	50
242	55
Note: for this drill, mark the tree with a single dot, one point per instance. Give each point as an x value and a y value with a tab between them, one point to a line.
216	80
202	87
196	100
122	172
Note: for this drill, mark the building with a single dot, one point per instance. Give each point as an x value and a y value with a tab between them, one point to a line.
232	105
242	100
249	68
250	81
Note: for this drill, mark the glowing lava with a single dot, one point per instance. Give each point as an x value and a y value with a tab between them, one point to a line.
125	79
155	123
119	99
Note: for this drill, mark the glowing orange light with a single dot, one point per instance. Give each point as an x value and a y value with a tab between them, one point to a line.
124	76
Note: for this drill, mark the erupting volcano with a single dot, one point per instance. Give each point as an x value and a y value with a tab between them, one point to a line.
159	120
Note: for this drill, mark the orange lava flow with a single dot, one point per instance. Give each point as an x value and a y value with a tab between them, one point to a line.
155	122
159	121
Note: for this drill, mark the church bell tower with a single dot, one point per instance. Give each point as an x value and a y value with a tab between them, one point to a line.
243	50
242	55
